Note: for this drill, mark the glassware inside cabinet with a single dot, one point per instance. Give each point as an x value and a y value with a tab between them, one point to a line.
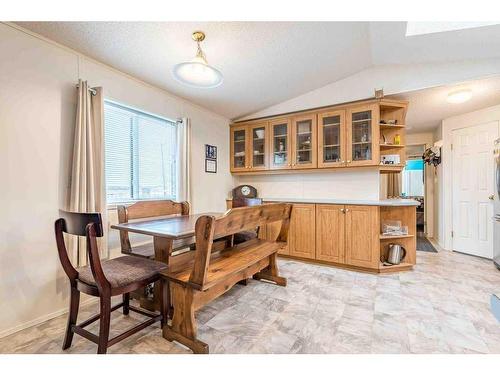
304	141
361	135
280	144
239	139
259	146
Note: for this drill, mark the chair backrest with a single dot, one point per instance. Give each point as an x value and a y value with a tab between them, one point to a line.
80	224
147	209
246	202
234	221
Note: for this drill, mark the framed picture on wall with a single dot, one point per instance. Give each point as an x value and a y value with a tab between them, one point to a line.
211	152
210	166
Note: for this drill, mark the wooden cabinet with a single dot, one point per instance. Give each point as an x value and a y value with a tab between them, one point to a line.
259	139
239	148
301	237
362	240
304	142
332	139
280	153
330	232
343	136
363	136
249	146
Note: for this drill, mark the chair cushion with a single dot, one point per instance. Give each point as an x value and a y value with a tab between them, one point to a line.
244	236
123	271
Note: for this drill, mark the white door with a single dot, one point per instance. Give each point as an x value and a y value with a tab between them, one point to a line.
473	185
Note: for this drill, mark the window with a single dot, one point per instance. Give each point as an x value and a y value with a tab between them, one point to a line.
413	178
140	155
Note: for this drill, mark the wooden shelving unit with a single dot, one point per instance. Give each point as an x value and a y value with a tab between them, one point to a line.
409	241
393	111
382	237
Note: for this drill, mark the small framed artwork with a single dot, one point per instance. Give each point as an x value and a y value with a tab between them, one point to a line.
210	166
210	152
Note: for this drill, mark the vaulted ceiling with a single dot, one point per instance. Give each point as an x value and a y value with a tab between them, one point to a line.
263	63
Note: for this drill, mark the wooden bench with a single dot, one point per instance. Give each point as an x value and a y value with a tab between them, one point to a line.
211	273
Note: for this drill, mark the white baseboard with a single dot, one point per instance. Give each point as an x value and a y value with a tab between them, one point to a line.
44	318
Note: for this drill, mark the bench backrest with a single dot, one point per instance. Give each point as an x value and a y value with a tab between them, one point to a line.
147	209
234	221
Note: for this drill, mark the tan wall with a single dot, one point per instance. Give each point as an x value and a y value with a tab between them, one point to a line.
37	92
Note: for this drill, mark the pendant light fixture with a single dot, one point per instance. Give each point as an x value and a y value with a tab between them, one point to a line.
197	73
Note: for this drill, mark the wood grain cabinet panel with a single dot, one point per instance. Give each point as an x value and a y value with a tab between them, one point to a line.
301	237
362	236
330	232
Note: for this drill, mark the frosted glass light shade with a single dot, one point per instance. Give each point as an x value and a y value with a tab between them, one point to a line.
197	73
460	96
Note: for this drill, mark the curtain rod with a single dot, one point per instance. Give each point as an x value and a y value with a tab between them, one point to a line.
91	89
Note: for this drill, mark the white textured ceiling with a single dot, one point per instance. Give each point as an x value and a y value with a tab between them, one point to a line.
429	107
263	63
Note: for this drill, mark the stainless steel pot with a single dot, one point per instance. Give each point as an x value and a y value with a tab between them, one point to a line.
395	254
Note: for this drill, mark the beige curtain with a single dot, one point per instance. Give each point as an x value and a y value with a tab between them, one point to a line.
184	158
87	193
393	185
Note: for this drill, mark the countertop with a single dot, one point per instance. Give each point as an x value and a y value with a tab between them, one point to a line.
381	202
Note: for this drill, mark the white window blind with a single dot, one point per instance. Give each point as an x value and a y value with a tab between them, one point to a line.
140	155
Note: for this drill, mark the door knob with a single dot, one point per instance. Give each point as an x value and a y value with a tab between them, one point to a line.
491	197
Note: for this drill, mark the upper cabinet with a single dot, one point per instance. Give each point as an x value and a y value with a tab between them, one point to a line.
304	142
362	134
239	149
331	139
249	147
280	134
259	139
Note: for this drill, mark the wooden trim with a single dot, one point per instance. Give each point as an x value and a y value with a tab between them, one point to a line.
333	107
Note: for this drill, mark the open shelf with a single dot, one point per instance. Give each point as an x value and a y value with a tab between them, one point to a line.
383	145
400	266
387	126
386	237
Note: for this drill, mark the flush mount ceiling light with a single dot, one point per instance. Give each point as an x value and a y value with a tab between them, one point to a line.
459	96
197	73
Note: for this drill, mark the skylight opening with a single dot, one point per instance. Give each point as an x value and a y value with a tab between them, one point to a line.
422	28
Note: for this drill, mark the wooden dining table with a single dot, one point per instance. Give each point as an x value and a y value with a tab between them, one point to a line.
166	232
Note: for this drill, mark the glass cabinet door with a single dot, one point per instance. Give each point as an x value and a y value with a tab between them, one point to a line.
363	136
239	148
279	131
331	139
258	149
304	135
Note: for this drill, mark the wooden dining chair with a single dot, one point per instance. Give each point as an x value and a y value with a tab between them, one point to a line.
247	235
150	209
118	276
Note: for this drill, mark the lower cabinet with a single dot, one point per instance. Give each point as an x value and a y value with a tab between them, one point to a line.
301	236
330	232
362	247
348	235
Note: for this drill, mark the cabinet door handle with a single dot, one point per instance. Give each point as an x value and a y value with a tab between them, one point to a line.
346	210
342	210
348	161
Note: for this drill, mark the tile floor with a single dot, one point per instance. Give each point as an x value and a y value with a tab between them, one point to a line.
440	307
